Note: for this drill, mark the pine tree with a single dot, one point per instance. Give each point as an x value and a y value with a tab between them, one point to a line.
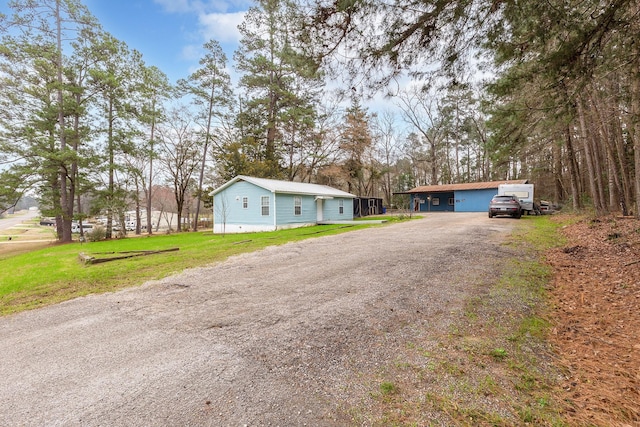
210	87
152	90
356	144
280	85
42	95
113	80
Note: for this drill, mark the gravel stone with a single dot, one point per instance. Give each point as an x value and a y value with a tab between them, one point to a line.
285	336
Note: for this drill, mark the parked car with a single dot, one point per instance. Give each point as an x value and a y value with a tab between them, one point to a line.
505	205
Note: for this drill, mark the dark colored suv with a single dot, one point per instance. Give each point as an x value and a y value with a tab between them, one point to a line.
505	205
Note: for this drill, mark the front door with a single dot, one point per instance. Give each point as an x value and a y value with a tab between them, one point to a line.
319	205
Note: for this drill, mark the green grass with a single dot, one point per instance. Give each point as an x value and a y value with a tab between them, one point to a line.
56	274
387	388
498	353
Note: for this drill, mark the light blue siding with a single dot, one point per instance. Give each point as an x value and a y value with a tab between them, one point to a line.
331	209
230	216
285	210
474	200
228	209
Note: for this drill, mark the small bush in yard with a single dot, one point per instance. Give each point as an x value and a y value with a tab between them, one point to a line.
98	233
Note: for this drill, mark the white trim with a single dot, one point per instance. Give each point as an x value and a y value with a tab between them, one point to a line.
319	209
240	228
275	211
287	187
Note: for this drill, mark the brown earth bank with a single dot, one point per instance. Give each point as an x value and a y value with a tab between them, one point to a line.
596	320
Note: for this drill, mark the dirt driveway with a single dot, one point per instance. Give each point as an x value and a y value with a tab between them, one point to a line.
284	336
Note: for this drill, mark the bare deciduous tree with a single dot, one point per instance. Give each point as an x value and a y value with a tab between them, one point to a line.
180	155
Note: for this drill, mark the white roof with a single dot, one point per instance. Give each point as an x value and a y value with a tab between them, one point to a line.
277	186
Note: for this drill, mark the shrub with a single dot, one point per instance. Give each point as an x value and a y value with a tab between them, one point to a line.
98	233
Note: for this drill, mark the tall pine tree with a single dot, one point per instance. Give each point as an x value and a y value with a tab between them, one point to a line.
280	85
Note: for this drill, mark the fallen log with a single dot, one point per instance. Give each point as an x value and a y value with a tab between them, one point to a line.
88	259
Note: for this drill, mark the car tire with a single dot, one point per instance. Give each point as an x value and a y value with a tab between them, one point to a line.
490	215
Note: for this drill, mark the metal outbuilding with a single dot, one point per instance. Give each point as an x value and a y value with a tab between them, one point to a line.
466	197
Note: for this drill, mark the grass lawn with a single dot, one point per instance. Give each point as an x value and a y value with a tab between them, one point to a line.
55	274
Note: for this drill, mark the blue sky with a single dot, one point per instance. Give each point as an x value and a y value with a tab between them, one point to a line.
170	33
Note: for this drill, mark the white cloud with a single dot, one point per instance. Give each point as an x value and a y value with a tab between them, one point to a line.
217	19
222	27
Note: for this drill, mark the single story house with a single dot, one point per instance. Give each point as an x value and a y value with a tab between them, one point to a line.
467	197
248	204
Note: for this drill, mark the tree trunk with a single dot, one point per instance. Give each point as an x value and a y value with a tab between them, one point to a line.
138	230
635	134
179	206
54	185
573	171
593	176
66	215
558	193
204	157
149	192
616	194
636	149
432	159
110	184
625	172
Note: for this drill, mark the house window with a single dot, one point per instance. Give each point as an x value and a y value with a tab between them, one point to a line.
341	207
435	201
245	202
450	201
264	202
297	205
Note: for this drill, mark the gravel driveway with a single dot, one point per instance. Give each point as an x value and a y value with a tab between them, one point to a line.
284	336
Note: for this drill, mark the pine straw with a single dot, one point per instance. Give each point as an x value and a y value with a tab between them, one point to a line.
597	321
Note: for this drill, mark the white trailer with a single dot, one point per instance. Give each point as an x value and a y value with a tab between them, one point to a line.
524	193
